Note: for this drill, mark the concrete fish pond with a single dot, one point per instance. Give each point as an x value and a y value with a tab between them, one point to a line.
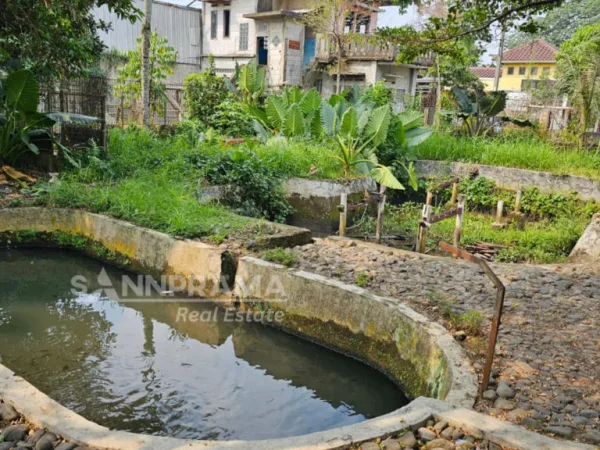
141	366
147	367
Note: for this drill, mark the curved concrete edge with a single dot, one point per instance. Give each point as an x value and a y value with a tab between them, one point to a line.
426	345
504	433
41	411
513	178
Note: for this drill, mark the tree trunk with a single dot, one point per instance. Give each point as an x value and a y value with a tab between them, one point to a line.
146	35
338	81
498	72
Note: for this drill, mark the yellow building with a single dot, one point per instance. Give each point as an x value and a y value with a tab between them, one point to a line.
523	67
486	76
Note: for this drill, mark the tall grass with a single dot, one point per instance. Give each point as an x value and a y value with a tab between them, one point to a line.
512	150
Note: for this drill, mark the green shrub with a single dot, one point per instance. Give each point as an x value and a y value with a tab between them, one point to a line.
204	92
362	279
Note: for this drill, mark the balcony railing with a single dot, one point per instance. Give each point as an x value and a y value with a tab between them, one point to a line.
327	49
364	51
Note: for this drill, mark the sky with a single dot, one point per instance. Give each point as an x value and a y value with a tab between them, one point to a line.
389	17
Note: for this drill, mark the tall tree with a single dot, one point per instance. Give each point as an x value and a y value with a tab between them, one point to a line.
560	23
146	34
578	68
55	38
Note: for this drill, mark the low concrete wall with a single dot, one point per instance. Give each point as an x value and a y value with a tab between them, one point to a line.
149	251
419	355
511	178
316	202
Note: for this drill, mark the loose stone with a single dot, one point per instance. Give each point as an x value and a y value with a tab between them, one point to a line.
440	426
439	443
65	446
391	444
490	394
36	436
505	391
408	440
426	434
560	431
8	413
370	446
502	403
15	433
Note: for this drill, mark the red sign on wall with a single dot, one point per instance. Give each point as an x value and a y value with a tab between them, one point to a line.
294	45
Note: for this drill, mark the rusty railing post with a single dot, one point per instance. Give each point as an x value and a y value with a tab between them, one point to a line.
498	306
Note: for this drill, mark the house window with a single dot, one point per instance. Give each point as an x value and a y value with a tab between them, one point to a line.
534	71
522	70
214	18
226	23
546	71
510	71
244	36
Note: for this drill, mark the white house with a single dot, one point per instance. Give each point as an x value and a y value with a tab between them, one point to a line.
271	32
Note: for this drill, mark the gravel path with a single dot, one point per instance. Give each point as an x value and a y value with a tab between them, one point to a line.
548	354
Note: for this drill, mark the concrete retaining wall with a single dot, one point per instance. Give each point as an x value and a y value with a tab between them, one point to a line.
418	354
511	178
316	202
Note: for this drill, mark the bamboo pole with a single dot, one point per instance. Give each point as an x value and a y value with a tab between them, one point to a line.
422	239
454	193
459	220
380	210
343	213
499	211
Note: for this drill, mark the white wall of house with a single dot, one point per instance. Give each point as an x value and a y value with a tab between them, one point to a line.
227	49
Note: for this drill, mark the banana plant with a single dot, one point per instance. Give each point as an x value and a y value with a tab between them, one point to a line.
358	132
293	114
248	83
21	125
479	110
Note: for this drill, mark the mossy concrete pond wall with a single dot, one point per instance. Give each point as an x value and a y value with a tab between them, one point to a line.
420	356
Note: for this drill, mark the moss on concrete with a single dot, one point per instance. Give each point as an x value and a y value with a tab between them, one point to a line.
59	239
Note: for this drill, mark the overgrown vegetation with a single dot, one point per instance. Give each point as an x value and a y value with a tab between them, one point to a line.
553	223
522	149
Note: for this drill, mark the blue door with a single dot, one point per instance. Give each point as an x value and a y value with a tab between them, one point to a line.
310	45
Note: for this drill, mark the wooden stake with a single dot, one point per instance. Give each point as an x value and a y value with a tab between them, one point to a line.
343	213
422	239
518	202
429	198
454	193
459	220
499	211
379	228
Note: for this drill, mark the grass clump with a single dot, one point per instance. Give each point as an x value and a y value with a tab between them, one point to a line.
513	150
280	256
471	322
362	279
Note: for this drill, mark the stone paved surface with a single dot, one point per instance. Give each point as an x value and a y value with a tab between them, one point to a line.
436	435
547	366
15	433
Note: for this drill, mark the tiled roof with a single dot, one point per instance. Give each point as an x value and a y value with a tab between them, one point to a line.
536	51
484	72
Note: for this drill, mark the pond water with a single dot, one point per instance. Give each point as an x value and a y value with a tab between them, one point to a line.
132	366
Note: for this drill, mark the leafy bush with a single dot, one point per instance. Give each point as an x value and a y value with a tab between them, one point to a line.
231	119
378	95
204	92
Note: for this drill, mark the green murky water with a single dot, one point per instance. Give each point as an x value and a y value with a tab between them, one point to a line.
132	366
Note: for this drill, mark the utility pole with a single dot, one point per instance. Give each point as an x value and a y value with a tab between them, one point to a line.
146	36
499	61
